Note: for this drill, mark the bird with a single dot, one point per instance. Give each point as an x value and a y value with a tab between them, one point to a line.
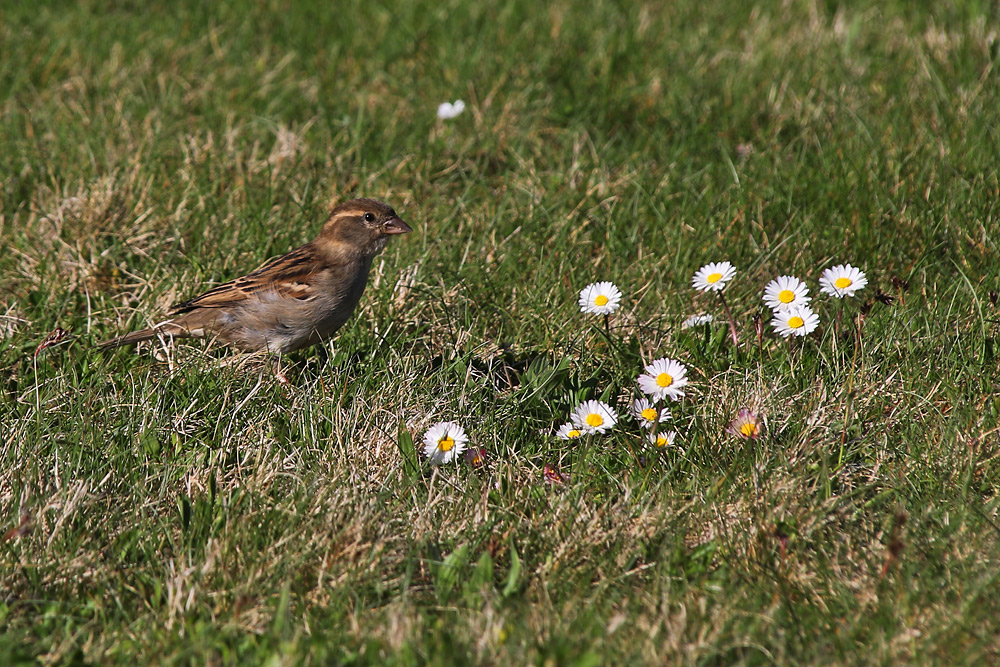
293	301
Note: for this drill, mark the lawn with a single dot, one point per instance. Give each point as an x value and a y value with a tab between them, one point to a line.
180	506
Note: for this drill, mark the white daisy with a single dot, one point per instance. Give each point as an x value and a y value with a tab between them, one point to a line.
443	442
600	298
786	291
594	417
842	280
660	441
796	321
713	277
697	320
568	432
664	377
648	413
447	110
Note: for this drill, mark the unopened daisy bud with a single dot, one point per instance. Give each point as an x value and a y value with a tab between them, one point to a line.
475	457
747	424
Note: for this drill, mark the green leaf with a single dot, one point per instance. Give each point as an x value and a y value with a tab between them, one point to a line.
514	575
408	452
449	571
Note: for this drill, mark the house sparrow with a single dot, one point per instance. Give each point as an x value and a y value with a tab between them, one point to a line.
293	301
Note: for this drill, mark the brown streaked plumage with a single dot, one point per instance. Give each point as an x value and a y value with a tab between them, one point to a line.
293	301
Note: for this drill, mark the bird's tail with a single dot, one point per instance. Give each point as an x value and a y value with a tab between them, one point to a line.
144	334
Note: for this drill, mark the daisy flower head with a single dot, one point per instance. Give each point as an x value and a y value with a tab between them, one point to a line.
784	292
795	321
443	442
663	378
747	424
713	277
648	413
660	441
600	298
449	110
568	432
594	417
697	320
552	475
475	457
842	280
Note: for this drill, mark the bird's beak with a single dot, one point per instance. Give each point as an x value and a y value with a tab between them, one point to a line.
396	226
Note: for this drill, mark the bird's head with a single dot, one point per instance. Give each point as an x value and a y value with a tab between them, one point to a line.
363	226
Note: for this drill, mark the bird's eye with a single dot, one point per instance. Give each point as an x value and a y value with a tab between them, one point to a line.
369	217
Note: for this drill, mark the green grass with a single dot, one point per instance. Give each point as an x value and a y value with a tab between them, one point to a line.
191	510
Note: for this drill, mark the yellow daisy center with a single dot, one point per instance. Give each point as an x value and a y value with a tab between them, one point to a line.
661	441
594	419
649	414
601	300
842	282
664	380
786	296
796	322
749	429
446	443
575	433
713	278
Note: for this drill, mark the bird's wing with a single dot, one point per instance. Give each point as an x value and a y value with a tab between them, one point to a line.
286	276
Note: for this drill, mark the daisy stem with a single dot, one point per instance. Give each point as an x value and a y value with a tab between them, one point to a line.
607	324
732	320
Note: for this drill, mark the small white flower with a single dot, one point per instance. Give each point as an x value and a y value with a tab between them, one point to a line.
842	280
663	378
568	432
660	441
796	321
647	413
594	417
447	110
600	298
443	442
713	277
785	292
697	320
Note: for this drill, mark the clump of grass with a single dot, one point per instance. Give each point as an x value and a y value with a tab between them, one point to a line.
194	510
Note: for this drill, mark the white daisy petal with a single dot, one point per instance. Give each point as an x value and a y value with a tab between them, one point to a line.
648	413
448	110
697	320
664	378
795	321
594	417
568	432
600	298
660	441
713	277
785	292
842	280
443	442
